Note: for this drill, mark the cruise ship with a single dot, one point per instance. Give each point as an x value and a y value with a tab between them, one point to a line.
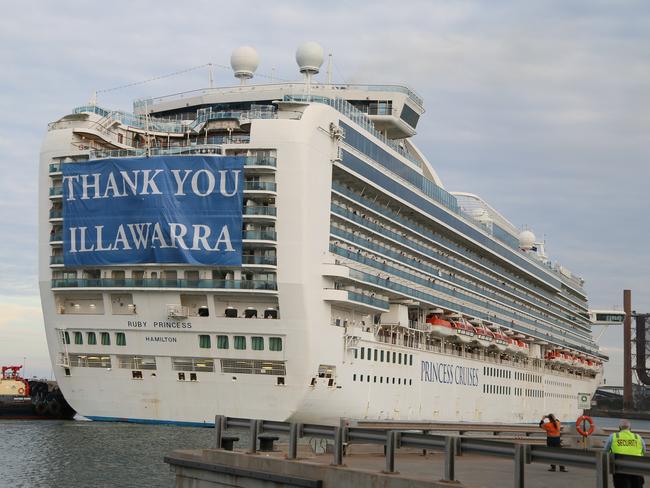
285	251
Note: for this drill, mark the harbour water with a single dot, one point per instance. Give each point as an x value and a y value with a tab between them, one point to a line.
81	454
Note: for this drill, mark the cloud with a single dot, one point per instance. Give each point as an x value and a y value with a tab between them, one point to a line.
539	107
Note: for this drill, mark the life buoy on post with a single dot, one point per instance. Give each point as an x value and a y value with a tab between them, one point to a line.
581	425
21	391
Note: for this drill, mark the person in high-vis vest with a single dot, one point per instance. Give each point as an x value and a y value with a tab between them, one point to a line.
630	444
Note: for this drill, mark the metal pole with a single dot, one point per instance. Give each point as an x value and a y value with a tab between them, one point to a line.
628	401
520	463
390	451
338	446
253	434
293	441
602	469
218	430
450	459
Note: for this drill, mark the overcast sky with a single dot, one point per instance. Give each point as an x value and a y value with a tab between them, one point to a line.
542	108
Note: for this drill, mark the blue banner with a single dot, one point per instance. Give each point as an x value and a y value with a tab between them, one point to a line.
165	209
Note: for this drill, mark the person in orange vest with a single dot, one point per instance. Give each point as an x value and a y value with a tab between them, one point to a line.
552	427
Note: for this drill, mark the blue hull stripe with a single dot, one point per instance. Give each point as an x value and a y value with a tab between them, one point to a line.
151	421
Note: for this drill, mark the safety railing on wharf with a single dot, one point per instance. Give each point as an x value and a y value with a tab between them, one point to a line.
603	462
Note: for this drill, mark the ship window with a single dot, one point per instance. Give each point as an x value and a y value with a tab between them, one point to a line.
240	342
410	359
394	356
354	377
120	339
192	376
66	337
368	378
275	344
393	380
375	353
257	343
399	358
222	342
363	350
67	371
361	378
92	339
374	379
106	339
78	338
381	355
136	375
369	354
410	382
204	342
280	380
355	354
381	379
181	376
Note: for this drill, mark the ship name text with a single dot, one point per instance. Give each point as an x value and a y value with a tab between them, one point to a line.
167	324
446	373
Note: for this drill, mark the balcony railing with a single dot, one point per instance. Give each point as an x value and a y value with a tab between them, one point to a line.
160	283
57	236
55	167
271	211
375	302
261	260
56	214
260	161
56	259
56	191
259	186
259	235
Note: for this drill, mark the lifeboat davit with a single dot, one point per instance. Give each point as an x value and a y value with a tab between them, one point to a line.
522	348
512	345
464	332
438	326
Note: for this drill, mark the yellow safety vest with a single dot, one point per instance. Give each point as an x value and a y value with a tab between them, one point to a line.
628	443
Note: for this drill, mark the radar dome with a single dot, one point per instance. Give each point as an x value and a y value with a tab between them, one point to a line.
526	239
244	61
309	57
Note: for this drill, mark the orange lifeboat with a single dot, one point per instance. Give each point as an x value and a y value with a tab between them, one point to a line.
500	341
438	326
464	332
522	348
484	336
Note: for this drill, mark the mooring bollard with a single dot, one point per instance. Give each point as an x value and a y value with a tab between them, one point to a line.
391	441
338	446
293	441
520	464
218	430
253	436
450	459
602	469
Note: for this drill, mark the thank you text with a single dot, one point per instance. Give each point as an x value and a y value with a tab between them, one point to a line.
166	209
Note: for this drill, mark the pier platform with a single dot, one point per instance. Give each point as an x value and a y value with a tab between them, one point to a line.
212	468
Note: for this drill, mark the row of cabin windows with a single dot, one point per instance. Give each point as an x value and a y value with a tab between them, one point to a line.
91	338
384	356
532	378
398	381
497	372
239	342
497	389
551	394
563	384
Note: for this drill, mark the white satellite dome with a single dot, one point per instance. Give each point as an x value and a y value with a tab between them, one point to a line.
526	239
309	57
244	61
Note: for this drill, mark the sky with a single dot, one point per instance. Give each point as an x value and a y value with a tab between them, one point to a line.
540	107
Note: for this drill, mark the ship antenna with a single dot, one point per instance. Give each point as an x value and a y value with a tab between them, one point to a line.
329	69
309	57
210	78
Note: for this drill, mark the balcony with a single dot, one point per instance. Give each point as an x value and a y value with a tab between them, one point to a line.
55	168
56	259
266	161
357	300
265	186
361	298
259	260
259	235
56	191
56	237
254	285
262	212
56	214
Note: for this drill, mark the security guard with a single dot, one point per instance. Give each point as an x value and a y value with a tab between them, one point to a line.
630	444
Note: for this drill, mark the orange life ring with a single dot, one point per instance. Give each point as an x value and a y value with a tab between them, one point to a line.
580	422
21	391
